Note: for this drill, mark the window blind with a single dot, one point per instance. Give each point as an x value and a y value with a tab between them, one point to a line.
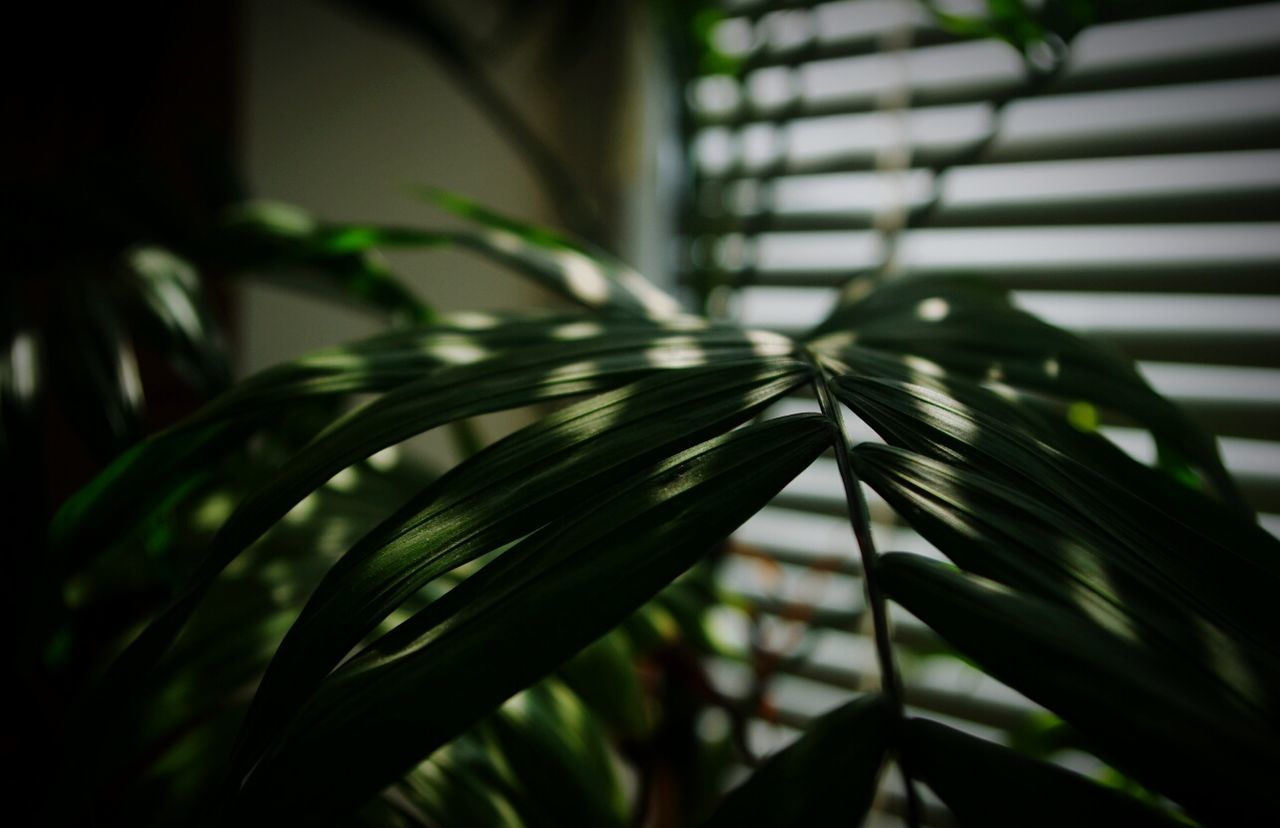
1126	186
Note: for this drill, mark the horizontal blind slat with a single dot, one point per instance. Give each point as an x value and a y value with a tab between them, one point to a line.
1161	327
818	489
1148	167
1227	257
1210	187
1211	116
855	27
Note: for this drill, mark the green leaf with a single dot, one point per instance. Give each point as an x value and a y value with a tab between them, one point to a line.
35	598
985	784
96	370
558	753
1014	21
1158	721
464	783
1031	502
278	236
168	305
1025	24
539	760
1131	568
511	380
828	777
22	392
864	302
268	238
605	677
1018	440
521	616
585	275
180	720
500	495
495	382
960	326
128	488
102	510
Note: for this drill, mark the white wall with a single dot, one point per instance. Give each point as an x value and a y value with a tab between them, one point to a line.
341	116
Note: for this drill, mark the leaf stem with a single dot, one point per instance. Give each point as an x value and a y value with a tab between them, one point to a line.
434	31
860	521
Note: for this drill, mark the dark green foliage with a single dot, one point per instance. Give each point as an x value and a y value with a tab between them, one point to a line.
319	637
963	328
1026	24
497	497
1163	722
960	768
253	616
1132	605
828	777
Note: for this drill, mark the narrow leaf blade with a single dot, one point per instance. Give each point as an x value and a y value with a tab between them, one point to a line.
498	496
828	777
1158	723
985	784
522	616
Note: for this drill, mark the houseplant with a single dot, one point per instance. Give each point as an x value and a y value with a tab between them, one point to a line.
271	531
1130	601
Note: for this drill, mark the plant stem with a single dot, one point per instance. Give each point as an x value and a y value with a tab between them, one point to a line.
577	210
435	32
860	521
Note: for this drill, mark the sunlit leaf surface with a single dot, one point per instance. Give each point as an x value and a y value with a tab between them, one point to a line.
522	615
959	768
828	777
1162	722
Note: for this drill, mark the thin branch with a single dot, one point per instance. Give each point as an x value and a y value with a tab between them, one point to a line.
578	211
860	521
434	32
